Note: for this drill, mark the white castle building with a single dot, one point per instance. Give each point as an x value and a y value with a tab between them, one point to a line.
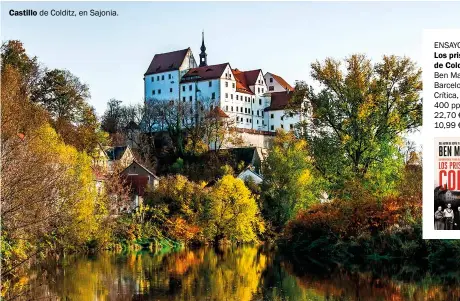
255	101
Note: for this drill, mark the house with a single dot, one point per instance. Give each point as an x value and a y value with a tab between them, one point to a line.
100	159
249	175
120	156
139	179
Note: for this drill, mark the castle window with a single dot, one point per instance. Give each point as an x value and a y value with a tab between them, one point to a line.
213	96
210	83
153	92
271	88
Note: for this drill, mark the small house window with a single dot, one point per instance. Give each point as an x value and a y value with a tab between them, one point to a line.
272	116
271	79
272	127
159	91
213	96
153	78
226	84
210	83
271	88
190	87
162	77
191	98
153	92
170	90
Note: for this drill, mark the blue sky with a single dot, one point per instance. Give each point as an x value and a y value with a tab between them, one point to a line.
111	54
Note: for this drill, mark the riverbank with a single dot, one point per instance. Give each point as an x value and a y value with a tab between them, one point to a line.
244	273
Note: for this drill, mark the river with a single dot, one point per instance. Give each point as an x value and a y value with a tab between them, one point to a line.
232	274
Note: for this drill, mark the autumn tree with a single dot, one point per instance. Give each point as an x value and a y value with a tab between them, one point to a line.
359	114
290	180
14	54
231	212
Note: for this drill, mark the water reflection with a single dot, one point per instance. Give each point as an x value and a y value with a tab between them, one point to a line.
239	274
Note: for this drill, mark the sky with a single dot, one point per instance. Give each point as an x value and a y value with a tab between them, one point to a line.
111	54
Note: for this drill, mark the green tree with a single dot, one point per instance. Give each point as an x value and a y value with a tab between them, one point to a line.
289	181
360	114
62	94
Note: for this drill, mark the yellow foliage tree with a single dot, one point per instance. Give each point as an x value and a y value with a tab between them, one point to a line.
231	212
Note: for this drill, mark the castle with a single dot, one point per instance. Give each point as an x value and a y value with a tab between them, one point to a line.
254	101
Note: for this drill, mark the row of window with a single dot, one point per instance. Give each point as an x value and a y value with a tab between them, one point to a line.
159	91
162	77
246	110
248	120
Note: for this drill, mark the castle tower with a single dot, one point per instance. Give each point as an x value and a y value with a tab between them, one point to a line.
203	55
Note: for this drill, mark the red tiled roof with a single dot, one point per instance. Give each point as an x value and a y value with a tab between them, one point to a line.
167	61
217	112
204	73
251	76
282	82
241	83
279	100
